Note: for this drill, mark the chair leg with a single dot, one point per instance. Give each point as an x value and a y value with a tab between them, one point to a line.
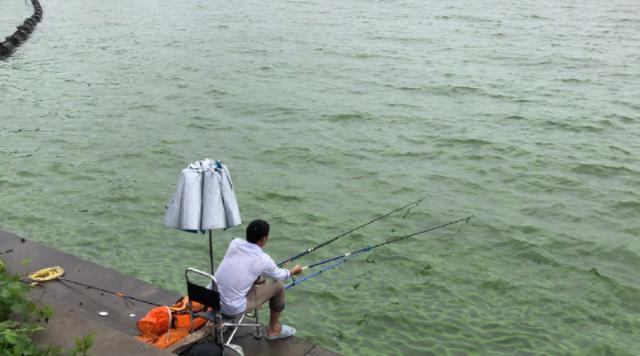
258	334
189	306
218	329
235	348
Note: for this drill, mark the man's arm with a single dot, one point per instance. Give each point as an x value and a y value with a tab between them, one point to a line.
295	270
280	274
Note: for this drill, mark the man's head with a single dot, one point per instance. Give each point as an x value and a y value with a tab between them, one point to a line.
257	230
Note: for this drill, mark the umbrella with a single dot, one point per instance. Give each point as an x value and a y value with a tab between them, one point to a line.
204	200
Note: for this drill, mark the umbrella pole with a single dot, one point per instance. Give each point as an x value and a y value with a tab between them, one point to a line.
211	250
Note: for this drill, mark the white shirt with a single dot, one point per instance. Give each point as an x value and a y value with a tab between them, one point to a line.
242	264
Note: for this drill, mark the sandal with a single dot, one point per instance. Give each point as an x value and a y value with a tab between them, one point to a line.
285	331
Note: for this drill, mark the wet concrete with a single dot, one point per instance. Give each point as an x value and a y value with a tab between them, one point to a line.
76	308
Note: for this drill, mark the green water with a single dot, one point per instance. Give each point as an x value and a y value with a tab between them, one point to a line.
329	113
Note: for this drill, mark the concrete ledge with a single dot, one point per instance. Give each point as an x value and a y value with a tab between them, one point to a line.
76	308
65	326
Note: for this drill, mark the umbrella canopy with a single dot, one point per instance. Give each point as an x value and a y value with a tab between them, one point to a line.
204	200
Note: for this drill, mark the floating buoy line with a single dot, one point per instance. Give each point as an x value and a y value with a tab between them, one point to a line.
22	32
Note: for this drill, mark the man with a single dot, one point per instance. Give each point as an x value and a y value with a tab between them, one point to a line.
239	283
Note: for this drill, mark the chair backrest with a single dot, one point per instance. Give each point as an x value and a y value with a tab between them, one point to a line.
202	294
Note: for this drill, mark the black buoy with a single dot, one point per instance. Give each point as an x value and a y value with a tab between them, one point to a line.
28	29
13	40
19	36
8	47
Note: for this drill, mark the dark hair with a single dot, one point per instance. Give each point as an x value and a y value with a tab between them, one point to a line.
256	230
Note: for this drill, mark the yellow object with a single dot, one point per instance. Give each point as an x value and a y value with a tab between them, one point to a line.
47	274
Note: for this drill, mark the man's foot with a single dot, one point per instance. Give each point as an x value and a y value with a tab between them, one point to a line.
280	332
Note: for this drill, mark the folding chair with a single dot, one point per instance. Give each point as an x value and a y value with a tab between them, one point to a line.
211	299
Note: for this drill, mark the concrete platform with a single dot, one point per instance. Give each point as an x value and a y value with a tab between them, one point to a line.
76	308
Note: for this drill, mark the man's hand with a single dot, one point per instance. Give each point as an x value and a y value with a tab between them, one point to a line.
297	269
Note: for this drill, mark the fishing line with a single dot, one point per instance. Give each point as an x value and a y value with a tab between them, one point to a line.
309	250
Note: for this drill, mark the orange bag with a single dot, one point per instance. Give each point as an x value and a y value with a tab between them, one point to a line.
155	323
163	326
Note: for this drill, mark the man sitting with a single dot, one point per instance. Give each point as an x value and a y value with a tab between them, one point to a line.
239	283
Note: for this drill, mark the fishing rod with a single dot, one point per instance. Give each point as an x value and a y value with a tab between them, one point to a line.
63	280
369	248
118	294
297	281
345	257
309	250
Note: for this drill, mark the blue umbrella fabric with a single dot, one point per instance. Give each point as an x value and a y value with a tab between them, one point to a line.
204	199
